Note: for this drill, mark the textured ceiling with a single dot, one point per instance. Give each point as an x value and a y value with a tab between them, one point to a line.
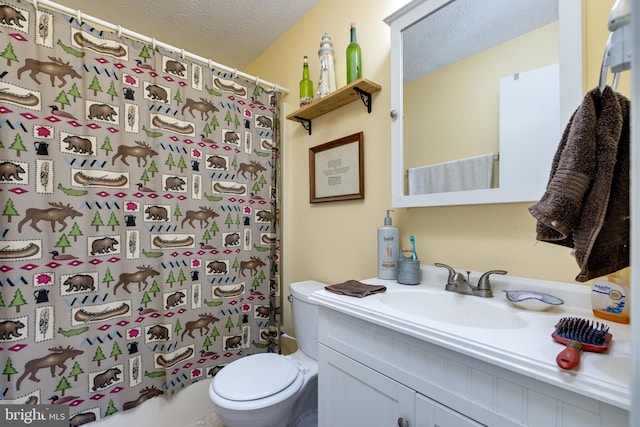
234	32
466	27
230	32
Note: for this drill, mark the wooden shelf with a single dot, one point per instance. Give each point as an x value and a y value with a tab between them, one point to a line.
359	89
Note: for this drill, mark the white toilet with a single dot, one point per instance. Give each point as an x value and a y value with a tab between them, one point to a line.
272	390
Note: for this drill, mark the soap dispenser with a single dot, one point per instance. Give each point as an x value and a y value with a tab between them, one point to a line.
388	251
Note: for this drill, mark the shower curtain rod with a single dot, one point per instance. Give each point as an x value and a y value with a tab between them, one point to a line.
119	31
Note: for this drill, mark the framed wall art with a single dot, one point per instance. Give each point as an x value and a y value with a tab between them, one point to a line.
336	170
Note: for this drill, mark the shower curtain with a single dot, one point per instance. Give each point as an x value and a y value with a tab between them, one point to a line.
138	227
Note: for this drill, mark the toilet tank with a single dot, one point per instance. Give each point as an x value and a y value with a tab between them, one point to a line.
305	316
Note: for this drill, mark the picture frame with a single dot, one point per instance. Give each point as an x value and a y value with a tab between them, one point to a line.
336	170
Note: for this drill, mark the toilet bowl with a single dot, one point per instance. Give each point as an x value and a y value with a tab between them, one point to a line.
267	389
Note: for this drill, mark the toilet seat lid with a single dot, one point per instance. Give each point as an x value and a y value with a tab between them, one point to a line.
255	377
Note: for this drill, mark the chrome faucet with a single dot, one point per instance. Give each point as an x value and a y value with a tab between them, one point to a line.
460	284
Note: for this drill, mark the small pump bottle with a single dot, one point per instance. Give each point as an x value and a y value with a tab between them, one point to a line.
388	250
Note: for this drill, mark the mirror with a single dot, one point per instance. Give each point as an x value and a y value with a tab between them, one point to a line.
477	87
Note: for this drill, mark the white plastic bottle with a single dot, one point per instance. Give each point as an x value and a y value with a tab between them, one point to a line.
388	250
610	299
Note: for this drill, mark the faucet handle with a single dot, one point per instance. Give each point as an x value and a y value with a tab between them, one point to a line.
452	272
454	279
483	282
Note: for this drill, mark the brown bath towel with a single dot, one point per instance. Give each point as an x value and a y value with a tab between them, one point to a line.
353	288
586	204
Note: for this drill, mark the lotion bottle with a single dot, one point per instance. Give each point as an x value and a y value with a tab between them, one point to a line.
610	299
388	250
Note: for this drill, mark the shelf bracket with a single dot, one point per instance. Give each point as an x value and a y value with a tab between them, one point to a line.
306	123
365	97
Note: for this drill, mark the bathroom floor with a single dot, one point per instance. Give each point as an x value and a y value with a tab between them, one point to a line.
208	421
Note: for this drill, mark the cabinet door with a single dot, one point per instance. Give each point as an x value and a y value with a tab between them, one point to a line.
351	394
430	413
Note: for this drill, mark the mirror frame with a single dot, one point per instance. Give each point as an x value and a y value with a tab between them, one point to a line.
571	94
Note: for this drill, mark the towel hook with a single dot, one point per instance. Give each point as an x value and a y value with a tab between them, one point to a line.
605	65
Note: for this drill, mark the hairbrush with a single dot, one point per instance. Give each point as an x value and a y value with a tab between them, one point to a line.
579	334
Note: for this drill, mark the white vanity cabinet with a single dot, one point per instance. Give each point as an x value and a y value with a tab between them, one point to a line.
374	375
375	399
359	396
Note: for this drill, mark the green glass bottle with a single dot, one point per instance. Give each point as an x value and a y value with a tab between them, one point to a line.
354	57
306	85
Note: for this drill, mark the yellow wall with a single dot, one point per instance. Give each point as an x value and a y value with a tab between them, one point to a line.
333	242
336	241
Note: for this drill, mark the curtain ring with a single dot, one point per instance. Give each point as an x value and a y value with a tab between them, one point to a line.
153	43
79	17
235	73
182	55
210	65
257	81
119	33
276	88
35	4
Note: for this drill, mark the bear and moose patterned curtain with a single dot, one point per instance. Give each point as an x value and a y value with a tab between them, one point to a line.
138	235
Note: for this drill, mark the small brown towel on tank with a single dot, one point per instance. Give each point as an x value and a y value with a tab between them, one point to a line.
353	288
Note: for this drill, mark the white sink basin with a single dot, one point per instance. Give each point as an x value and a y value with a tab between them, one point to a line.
453	308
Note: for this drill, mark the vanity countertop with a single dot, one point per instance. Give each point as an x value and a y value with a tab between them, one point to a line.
528	349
